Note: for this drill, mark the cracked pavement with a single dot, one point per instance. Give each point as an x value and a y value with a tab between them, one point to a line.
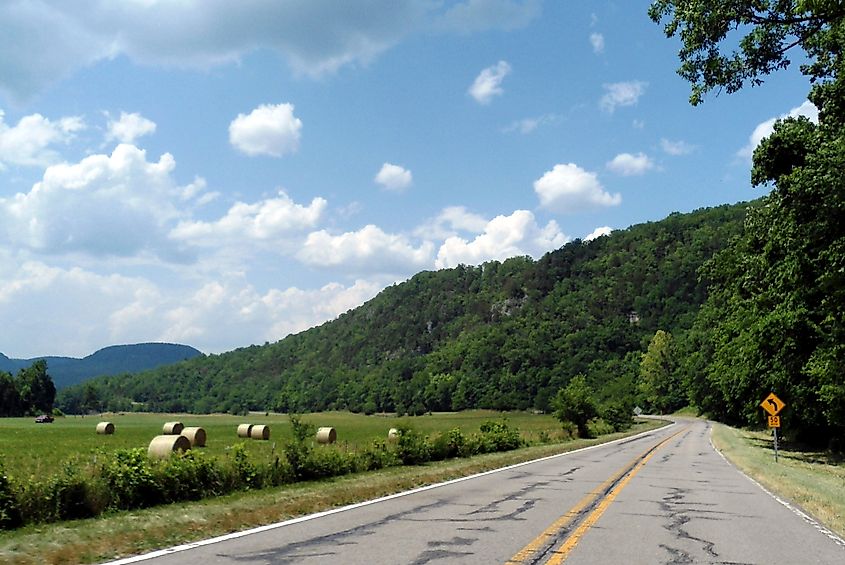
685	505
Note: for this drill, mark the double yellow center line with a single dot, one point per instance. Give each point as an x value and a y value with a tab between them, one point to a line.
584	514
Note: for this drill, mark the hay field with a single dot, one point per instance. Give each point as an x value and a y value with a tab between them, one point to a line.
30	449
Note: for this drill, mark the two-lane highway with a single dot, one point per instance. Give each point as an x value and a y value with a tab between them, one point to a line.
662	497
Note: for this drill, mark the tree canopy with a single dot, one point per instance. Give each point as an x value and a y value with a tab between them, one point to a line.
30	392
727	44
775	317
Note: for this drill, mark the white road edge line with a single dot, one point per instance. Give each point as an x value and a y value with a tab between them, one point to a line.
235	535
797	511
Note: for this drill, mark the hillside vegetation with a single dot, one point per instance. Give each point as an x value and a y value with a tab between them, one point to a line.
503	335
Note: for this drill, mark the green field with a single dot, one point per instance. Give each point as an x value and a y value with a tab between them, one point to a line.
30	449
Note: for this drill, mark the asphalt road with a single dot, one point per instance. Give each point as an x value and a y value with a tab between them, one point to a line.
663	497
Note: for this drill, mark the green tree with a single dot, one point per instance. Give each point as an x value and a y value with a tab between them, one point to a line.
711	58
36	388
659	382
90	399
777	302
10	398
576	403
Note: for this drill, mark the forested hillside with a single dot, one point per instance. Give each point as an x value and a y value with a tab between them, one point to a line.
503	335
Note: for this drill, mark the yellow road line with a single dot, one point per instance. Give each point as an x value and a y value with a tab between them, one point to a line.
527	553
560	554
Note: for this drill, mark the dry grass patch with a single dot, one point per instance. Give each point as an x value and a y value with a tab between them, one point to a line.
814	480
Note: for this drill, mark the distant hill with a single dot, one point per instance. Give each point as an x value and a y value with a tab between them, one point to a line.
503	335
113	360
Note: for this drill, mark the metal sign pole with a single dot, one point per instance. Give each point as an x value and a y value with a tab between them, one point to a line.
776	444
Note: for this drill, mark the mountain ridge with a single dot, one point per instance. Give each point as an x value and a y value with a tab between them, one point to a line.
109	360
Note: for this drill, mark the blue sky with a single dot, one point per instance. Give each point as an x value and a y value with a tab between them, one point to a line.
225	173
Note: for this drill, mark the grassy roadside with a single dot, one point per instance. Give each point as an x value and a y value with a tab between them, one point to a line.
128	533
813	480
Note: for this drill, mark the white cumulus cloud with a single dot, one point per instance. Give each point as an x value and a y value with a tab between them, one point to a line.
598	232
368	249
129	127
270	129
451	221
118	204
627	165
568	188
489	82
29	141
765	129
619	94
394	177
265	220
503	237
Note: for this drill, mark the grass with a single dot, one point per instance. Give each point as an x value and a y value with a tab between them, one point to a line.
814	480
33	450
128	533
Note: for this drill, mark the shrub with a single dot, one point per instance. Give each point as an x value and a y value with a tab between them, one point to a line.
499	436
413	447
599	427
447	445
298	450
376	456
278	472
68	495
618	414
190	476
327	461
129	478
10	515
245	473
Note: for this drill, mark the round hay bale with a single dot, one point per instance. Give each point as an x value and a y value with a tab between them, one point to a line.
163	446
244	429
392	435
326	435
260	431
105	428
195	435
173	428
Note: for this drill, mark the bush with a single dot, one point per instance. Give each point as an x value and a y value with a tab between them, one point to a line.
412	448
245	474
618	414
298	450
599	427
278	472
10	515
448	445
327	461
129	477
499	436
70	495
375	457
190	476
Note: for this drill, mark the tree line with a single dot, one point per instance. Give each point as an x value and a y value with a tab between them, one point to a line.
29	393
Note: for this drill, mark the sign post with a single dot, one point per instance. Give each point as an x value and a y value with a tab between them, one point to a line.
773	405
